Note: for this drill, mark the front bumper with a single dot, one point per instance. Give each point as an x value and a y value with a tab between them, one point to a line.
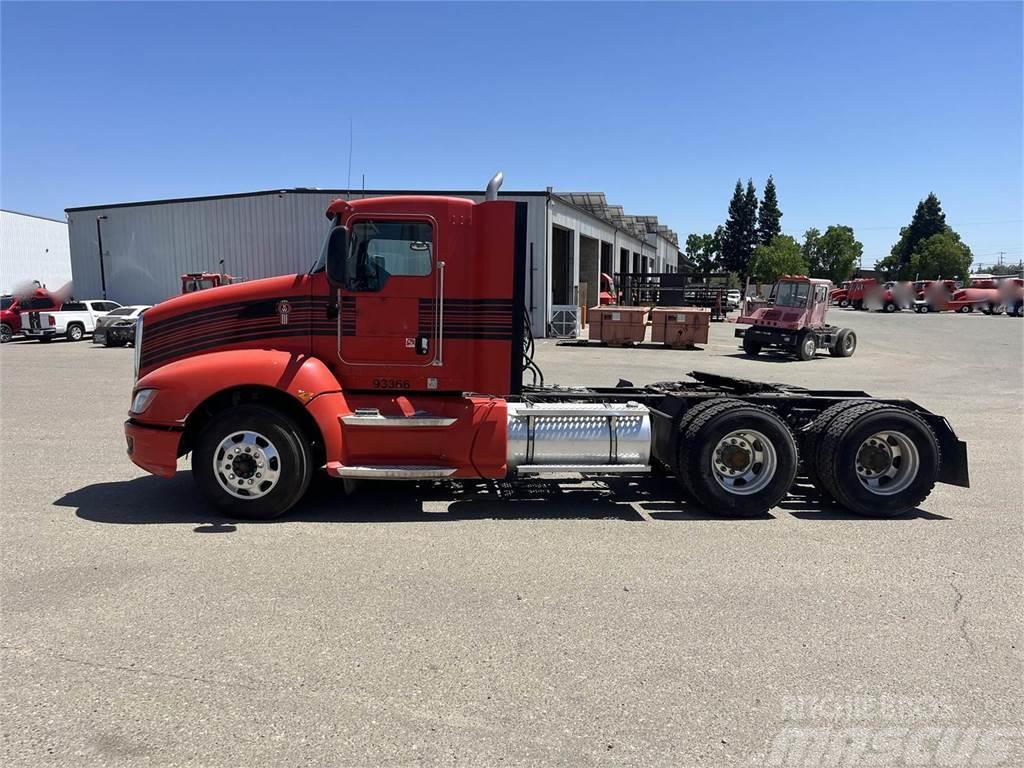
155	449
767	336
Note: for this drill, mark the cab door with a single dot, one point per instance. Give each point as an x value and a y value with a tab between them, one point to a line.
388	307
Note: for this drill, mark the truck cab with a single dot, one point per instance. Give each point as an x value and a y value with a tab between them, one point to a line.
12	307
794	321
403	354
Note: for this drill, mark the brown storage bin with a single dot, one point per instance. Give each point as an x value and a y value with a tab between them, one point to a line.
617	326
680	326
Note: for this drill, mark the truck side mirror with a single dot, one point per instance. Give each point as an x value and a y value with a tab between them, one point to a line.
337	256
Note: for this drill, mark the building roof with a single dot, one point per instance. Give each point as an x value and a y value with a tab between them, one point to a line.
33	216
638	226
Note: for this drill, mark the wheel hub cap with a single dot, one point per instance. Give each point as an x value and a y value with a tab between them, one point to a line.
887	463
744	462
247	465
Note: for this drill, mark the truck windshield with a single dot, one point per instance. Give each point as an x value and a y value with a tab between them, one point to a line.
792	294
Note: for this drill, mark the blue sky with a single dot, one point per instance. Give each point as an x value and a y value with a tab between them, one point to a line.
859	110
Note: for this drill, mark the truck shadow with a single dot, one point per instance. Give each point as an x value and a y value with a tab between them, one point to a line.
767	356
154	501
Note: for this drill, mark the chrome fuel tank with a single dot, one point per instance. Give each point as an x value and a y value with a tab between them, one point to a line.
578	437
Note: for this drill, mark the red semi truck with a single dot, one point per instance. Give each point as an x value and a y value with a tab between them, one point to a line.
401	353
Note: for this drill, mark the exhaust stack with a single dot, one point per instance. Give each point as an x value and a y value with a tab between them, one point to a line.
494	185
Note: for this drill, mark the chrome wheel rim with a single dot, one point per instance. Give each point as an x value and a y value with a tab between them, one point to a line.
247	465
744	462
887	463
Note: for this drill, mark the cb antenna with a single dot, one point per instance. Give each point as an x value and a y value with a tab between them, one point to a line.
348	180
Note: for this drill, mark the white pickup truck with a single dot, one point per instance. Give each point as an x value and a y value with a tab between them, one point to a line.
74	320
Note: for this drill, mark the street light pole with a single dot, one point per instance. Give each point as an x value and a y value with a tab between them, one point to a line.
99	241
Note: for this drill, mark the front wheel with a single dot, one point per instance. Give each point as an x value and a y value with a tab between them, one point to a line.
735	459
75	333
806	347
6	333
889	307
844	303
878	460
750	346
965	309
252	462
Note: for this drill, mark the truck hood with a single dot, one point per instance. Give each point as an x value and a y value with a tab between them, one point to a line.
275	312
774	317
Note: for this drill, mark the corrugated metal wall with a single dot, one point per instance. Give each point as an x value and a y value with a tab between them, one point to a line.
33	248
147	247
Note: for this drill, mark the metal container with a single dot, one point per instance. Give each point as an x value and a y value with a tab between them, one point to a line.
575	437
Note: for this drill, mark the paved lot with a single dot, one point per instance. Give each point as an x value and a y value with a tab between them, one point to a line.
578	624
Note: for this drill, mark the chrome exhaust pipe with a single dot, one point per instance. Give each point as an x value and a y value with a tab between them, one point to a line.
493	185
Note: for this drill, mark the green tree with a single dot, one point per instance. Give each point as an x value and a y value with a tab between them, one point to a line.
838	253
812	251
769	217
740	232
942	256
782	256
928	220
704	251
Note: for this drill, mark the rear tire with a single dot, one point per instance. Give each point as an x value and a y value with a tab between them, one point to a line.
6	333
735	459
811	438
75	332
844	345
221	460
924	309
889	307
751	347
844	303
878	460
965	309
806	347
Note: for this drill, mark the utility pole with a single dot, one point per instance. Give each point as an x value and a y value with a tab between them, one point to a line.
99	243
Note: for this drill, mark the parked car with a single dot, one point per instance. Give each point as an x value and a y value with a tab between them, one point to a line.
12	307
117	328
73	320
732	299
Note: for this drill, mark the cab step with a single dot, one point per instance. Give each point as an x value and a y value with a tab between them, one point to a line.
390	471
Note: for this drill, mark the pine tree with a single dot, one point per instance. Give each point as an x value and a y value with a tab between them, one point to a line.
769	217
733	238
928	220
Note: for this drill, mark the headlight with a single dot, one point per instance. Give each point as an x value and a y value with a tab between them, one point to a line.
138	345
142	400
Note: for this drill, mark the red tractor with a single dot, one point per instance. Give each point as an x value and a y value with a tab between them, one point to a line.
933	295
989	294
857	291
840	295
397	357
794	321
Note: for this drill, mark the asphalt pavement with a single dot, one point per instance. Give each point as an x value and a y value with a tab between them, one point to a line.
561	623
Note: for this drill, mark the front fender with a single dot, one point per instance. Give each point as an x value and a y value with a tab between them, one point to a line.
183	384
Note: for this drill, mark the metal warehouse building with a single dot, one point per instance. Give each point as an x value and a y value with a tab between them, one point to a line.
33	248
571	239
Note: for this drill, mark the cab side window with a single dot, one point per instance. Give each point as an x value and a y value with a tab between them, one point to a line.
819	293
381	249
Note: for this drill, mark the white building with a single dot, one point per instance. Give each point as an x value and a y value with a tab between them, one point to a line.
33	248
571	239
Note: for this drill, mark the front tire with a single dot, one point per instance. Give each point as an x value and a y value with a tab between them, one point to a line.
6	333
751	347
965	309
75	332
889	307
878	460
844	303
806	347
252	462
735	459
